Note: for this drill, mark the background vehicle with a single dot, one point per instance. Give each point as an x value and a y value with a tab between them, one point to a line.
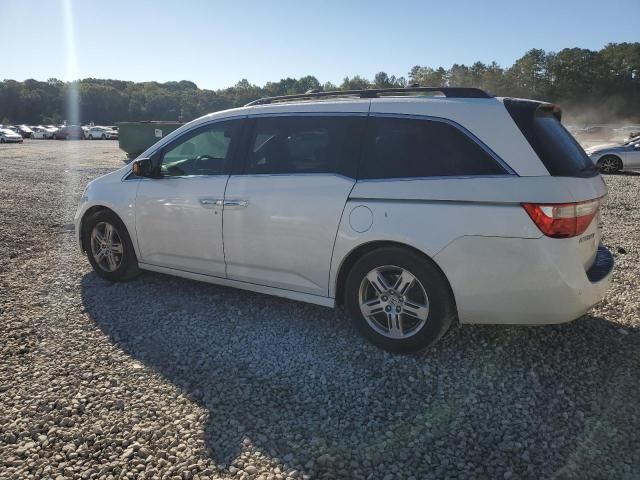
9	136
24	131
41	133
69	132
101	133
612	159
409	210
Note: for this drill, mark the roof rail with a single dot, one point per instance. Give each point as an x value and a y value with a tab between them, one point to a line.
455	92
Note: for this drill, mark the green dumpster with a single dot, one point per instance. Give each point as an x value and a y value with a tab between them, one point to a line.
135	137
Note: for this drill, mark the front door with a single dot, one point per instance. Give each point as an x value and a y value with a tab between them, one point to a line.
282	214
179	213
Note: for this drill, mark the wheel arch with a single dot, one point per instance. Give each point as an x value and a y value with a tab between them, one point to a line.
91	211
358	252
612	155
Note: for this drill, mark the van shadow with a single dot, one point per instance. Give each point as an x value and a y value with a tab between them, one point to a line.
301	384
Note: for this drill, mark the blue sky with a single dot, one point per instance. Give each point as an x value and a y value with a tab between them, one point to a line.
215	43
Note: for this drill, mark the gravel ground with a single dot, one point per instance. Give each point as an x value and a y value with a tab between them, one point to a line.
168	378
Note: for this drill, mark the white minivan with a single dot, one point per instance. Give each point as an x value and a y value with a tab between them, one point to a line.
410	209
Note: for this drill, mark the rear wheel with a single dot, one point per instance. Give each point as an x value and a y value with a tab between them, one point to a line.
2	140
399	299
610	164
109	247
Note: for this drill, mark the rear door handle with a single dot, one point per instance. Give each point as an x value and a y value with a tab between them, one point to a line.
236	203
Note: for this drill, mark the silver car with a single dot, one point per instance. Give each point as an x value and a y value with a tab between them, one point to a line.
613	158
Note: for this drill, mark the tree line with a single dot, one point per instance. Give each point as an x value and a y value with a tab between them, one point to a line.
592	86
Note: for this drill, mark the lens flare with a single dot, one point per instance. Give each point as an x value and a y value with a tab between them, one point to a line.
73	98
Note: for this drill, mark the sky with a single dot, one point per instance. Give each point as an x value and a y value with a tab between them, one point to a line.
216	43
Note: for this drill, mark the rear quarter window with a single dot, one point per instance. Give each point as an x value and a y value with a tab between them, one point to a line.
412	148
560	153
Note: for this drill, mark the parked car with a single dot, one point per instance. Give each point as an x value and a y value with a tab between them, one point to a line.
102	133
42	133
411	211
613	158
23	131
73	132
9	136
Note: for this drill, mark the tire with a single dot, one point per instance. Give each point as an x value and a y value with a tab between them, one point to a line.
610	164
428	298
104	137
2	140
117	265
31	135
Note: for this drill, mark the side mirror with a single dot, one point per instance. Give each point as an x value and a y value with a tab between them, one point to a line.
142	167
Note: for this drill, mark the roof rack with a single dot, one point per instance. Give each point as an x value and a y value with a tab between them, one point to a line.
455	92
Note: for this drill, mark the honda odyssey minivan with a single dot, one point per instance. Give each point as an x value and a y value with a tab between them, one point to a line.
410	209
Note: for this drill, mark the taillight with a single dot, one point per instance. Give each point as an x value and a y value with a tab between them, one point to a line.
563	220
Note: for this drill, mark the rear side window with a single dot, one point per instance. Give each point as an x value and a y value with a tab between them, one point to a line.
560	153
305	144
401	147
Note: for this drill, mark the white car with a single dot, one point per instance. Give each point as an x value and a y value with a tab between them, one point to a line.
9	136
101	133
410	209
42	133
613	158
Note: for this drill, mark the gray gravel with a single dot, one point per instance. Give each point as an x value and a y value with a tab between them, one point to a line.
169	378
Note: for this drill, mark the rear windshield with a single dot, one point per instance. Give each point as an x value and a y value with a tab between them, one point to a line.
560	153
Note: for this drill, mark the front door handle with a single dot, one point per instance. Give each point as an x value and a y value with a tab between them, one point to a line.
211	202
236	203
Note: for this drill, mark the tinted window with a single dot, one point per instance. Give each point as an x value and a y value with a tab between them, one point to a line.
557	149
398	147
305	145
203	152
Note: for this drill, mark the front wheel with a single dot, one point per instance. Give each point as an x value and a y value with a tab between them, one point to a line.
610	164
109	247
399	299
104	137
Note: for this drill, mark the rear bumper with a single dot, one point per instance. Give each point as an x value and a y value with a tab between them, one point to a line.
522	281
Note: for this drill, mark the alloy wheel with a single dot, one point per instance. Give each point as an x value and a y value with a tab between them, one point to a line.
609	165
106	246
393	301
